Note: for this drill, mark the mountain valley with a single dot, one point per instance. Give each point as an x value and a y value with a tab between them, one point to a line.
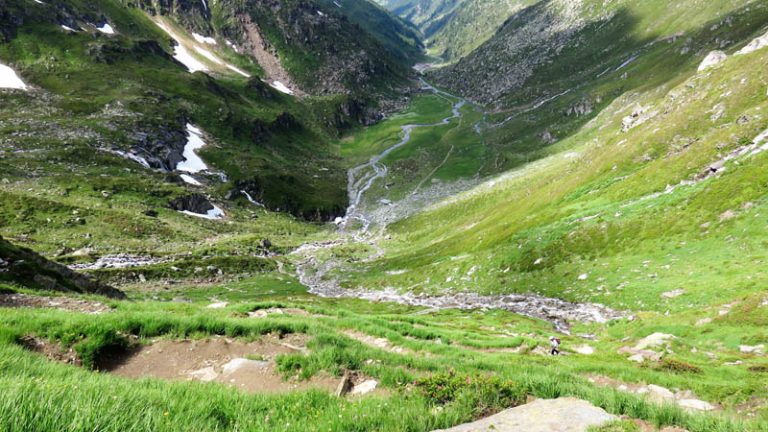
354	215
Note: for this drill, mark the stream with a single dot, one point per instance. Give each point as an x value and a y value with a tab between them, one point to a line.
315	273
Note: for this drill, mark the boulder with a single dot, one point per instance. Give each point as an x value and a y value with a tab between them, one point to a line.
205	374
654	340
712	59
584	349
364	387
696	405
543	415
659	394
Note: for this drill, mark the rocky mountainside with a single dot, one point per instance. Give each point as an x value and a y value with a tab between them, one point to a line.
263	87
27	268
454	28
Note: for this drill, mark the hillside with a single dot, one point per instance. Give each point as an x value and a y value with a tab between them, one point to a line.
454	28
257	215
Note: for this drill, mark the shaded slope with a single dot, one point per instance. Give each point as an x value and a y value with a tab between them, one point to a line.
31	270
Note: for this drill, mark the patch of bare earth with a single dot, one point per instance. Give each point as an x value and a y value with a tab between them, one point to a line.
61	303
264	313
376	342
250	367
52	350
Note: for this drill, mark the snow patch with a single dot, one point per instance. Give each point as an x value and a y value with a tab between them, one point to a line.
69	29
106	29
240	71
131	156
190	180
181	54
214	214
209	55
277	85
204	39
250	199
192	163
9	78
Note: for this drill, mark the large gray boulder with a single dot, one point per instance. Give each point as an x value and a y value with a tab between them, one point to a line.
543	415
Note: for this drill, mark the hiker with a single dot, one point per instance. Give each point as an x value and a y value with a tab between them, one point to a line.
555	343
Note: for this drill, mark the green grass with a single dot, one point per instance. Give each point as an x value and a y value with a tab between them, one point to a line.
438	342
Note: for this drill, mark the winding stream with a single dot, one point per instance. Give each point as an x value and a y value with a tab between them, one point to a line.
362	177
315	273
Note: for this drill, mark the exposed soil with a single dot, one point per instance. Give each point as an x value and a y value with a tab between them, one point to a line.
250	367
264	313
376	342
61	303
52	350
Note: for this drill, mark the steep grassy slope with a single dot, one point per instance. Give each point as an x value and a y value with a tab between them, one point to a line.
624	209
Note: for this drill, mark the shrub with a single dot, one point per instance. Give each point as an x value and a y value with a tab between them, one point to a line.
486	394
678	366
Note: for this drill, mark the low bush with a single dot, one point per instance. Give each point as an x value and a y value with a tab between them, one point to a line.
487	394
678	366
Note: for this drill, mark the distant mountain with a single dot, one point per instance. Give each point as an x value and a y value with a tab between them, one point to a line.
453	28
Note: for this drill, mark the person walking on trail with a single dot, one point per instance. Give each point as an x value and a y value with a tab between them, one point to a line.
555	344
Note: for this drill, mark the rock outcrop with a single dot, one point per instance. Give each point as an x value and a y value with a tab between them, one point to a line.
543	415
29	269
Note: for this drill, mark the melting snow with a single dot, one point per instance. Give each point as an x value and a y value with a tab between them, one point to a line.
192	162
213	214
131	156
282	87
204	39
181	54
250	199
39	2
209	55
106	28
240	71
9	79
69	29
191	180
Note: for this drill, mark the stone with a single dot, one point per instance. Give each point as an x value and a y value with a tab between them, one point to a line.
695	405
727	215
364	387
654	340
659	394
217	305
584	349
205	374
673	293
757	349
703	321
543	415
712	59
238	364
